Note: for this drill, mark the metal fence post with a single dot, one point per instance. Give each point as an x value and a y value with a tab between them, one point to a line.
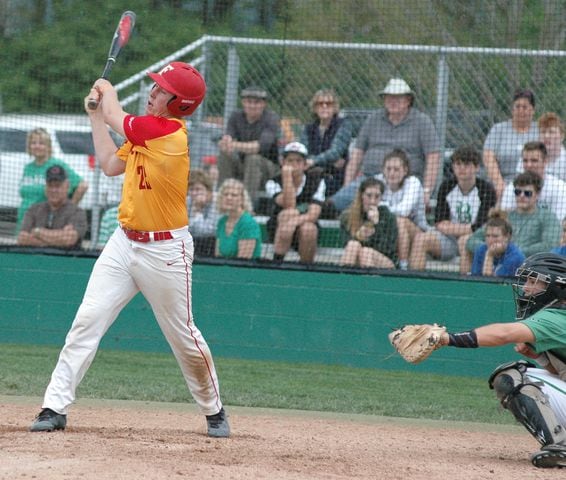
442	107
200	112
232	77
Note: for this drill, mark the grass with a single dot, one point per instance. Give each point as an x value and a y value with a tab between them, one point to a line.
26	370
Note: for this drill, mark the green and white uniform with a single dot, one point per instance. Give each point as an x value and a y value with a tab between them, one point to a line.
549	328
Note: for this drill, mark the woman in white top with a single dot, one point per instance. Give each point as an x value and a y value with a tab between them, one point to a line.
404	195
504	143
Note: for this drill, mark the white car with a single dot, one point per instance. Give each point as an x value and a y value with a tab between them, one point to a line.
71	142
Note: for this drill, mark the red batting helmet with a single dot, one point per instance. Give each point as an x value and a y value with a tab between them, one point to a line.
183	81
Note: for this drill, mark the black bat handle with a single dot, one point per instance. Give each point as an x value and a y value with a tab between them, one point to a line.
93	102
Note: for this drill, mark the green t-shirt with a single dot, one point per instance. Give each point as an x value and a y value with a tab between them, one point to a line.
32	184
549	328
108	224
246	228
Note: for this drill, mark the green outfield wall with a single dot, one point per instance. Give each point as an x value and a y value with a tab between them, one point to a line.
267	314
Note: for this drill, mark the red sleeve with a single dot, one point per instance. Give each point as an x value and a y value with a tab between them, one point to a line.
147	127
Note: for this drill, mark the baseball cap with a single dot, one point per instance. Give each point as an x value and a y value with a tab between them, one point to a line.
295	147
254	92
55	173
397	86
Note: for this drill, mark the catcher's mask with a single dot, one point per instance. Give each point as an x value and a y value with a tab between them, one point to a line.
549	269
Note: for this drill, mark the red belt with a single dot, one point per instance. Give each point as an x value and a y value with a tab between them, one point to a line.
145	237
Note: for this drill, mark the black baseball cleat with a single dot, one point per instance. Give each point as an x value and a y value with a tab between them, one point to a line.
550	456
48	420
218	425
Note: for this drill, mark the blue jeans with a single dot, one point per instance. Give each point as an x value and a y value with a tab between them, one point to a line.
344	197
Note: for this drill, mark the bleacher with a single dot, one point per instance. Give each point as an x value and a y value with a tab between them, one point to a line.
330	249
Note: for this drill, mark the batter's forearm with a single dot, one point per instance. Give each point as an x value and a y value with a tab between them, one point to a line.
105	149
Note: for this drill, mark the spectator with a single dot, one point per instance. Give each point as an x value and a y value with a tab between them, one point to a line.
248	149
237	234
398	125
551	130
404	197
210	167
535	229
369	230
108	224
505	140
553	193
203	214
297	200
462	206
561	249
498	256
32	183
327	139
57	222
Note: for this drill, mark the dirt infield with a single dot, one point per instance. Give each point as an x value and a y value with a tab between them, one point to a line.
118	440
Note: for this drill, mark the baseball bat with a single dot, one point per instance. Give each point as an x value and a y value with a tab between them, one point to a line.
119	41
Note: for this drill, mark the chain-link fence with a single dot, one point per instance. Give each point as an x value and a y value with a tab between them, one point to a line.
465	91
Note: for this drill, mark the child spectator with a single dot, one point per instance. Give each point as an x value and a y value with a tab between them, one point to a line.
498	256
237	234
297	200
203	215
369	229
535	229
404	195
463	203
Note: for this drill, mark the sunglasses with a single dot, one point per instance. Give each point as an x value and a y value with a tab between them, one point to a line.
526	193
323	103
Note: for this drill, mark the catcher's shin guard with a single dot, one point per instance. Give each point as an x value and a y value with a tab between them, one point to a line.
526	401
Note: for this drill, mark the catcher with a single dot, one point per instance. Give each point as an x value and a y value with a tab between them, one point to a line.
535	396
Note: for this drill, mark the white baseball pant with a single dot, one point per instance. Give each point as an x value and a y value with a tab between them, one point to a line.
162	272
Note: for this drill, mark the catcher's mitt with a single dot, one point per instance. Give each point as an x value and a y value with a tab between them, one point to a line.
416	342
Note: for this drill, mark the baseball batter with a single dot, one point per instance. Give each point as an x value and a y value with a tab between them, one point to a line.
151	251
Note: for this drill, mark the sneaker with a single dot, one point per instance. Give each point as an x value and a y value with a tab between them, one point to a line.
48	420
218	425
550	456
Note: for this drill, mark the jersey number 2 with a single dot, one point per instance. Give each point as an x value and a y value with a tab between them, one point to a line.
144	184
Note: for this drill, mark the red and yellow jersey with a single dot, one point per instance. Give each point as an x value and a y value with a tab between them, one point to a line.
154	193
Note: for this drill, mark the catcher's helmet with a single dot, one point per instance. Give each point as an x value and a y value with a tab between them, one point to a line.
183	81
548	268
